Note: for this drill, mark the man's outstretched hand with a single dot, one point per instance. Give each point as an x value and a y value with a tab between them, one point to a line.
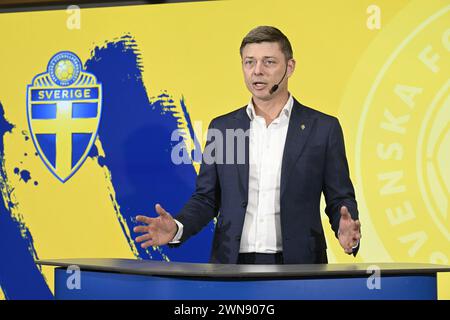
158	231
349	231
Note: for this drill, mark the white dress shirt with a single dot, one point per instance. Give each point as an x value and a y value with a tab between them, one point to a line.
262	227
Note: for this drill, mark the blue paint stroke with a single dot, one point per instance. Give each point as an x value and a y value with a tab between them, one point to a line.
135	133
25	175
25	135
19	276
197	147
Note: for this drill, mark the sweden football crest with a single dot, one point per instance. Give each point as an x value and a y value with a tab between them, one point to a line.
64	107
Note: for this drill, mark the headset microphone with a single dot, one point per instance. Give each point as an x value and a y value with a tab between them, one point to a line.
275	87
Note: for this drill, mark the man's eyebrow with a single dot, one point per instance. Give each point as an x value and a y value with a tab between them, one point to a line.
265	57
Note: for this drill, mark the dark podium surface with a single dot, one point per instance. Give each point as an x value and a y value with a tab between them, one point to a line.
146	279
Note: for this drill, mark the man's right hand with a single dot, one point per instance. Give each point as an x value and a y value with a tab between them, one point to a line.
157	231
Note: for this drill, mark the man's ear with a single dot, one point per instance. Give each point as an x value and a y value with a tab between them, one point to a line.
290	67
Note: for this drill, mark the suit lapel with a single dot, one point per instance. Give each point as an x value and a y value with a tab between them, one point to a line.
300	126
243	122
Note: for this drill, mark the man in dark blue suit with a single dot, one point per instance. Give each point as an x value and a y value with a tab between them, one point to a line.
264	169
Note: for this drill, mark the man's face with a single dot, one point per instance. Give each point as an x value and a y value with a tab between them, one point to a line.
264	65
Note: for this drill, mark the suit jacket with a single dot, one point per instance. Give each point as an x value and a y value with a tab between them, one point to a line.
314	161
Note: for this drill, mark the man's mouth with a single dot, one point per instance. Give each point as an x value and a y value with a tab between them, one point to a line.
259	85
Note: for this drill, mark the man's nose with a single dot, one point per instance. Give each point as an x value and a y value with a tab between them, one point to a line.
258	70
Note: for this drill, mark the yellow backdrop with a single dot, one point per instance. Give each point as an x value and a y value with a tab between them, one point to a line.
388	86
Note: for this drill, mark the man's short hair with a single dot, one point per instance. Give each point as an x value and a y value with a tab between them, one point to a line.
268	34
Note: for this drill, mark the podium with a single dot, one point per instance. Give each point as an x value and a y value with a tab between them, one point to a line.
159	280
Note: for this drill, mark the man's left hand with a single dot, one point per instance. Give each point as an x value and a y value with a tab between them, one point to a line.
349	231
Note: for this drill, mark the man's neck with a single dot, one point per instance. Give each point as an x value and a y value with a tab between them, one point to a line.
270	109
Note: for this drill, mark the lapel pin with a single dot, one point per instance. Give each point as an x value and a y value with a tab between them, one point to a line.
303	127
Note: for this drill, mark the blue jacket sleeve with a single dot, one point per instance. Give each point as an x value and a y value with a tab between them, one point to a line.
204	204
338	188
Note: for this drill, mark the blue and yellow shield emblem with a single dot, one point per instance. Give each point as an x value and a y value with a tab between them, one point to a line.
64	108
